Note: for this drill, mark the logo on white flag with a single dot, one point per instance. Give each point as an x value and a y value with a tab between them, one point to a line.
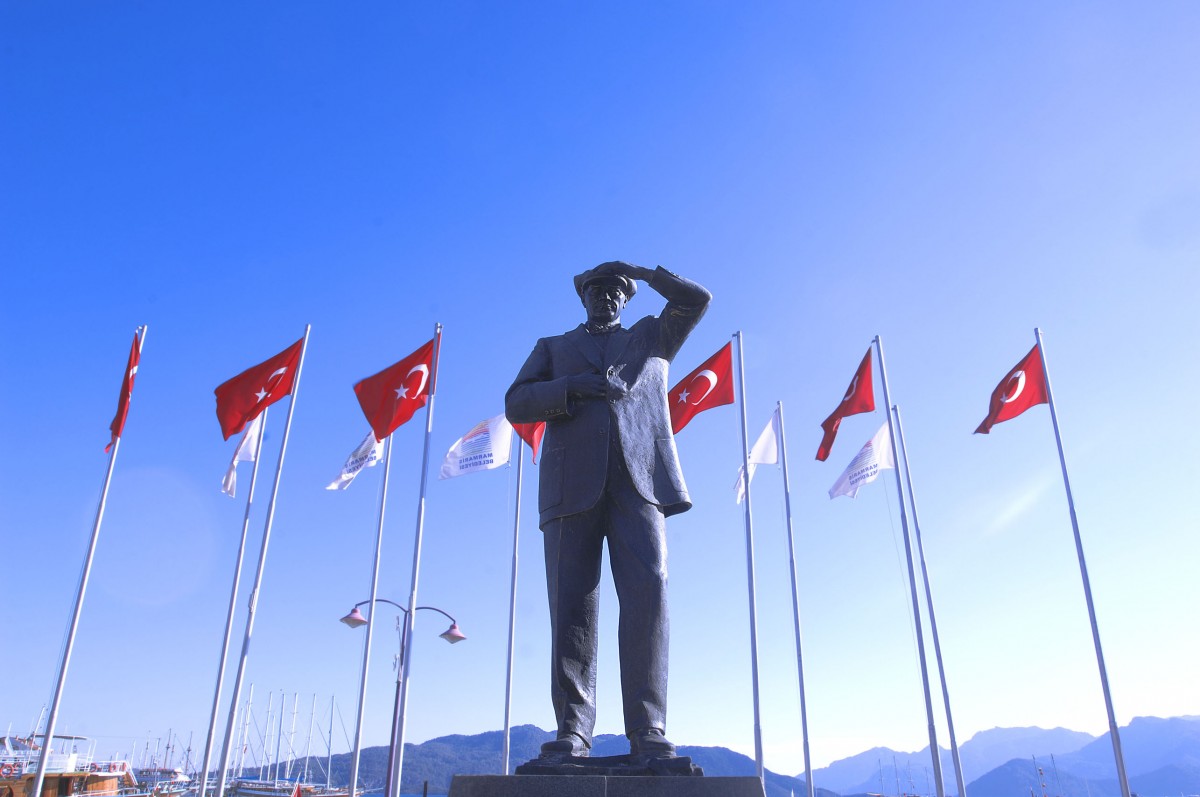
487	446
875	456
367	455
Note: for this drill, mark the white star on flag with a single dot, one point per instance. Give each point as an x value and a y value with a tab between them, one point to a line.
683	397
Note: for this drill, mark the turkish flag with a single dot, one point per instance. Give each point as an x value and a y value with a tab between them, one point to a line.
244	397
390	397
532	434
1023	387
710	385
859	397
118	422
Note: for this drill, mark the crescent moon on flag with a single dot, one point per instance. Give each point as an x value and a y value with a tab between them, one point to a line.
711	378
424	371
1019	376
280	372
851	390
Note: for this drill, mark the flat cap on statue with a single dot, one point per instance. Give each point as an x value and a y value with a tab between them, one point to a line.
610	273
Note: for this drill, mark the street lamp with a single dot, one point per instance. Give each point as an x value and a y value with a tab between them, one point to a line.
452	635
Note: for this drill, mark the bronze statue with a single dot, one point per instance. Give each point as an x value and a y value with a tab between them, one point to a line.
609	471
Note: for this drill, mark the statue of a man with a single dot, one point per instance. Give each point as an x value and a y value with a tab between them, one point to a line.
610	471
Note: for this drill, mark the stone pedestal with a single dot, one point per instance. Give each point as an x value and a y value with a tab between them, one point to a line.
602	786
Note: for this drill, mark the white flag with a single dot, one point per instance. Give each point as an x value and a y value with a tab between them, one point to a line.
875	456
247	451
367	455
765	452
486	446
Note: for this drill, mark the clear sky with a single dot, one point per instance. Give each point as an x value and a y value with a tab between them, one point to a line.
947	177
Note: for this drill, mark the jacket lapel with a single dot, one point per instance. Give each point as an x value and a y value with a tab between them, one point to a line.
586	345
617	341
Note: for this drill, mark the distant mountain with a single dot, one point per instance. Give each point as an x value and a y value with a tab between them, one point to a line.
1148	744
879	769
1020	778
438	760
1162	758
987	750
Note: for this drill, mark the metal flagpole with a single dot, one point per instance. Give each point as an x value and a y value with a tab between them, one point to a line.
758	751
934	750
406	663
362	684
933	629
258	575
512	606
39	779
787	502
1087	585
237	580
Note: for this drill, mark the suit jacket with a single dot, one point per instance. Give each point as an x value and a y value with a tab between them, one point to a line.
579	433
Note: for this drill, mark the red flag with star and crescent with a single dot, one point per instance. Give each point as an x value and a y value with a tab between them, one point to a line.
710	385
118	422
532	434
392	396
244	397
1021	388
859	397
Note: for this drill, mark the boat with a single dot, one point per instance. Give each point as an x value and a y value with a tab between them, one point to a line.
284	788
162	781
73	770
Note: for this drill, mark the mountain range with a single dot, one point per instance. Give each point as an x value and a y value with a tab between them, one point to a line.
1162	759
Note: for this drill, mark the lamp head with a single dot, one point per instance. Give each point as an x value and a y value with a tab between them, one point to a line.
453	635
354	619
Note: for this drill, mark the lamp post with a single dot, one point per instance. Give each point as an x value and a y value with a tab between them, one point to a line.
452	635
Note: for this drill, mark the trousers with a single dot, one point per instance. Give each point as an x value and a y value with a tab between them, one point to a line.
637	551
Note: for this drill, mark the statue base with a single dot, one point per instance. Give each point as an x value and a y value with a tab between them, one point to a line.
611	766
591	785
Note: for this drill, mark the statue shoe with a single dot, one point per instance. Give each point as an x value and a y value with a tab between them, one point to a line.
650	742
566	745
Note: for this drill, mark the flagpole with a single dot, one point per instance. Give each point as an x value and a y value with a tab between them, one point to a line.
406	663
362	684
258	575
512	609
48	739
1087	586
787	502
758	751
237	579
937	644
934	751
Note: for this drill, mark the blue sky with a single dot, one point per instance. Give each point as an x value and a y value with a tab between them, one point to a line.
946	177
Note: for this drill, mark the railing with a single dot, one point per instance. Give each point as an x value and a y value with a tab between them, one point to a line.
14	765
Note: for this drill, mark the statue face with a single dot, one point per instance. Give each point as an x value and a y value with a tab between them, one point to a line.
603	302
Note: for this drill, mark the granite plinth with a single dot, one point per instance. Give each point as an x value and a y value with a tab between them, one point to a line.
602	786
613	765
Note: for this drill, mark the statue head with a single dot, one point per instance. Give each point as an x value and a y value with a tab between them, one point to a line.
604	291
